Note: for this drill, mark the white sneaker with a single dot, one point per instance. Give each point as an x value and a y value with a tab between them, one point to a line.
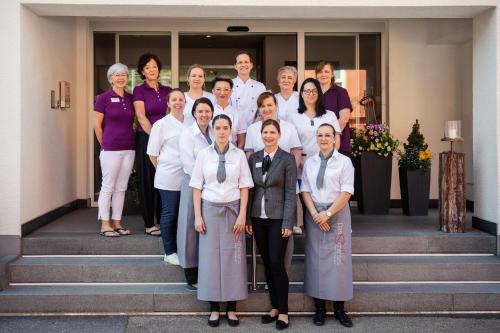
172	259
297	230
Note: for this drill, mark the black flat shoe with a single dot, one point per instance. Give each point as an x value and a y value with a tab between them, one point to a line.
319	317
213	323
233	322
281	325
343	318
267	319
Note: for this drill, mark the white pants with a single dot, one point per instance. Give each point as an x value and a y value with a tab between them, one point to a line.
116	167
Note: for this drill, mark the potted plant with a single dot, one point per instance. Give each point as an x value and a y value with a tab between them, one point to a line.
415	173
372	149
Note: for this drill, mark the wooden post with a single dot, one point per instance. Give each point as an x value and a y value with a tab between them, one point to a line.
452	192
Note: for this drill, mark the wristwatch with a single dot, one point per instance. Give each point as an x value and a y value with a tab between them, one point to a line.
328	213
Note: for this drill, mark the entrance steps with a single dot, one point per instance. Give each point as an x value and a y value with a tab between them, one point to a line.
400	265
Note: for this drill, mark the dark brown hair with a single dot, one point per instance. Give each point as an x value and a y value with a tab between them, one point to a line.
270	122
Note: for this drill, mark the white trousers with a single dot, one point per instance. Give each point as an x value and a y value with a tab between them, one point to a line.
116	167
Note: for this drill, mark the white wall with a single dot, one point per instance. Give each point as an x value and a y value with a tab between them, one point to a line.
486	117
10	126
50	147
426	83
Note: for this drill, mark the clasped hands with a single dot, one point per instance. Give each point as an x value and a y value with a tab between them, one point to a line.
321	219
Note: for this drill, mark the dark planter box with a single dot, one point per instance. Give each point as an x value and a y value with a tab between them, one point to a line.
372	183
415	186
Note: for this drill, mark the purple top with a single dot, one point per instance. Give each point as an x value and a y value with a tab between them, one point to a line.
155	102
118	133
335	99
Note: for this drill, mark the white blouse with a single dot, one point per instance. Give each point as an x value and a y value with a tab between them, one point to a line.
204	176
287	107
306	128
289	138
188	116
191	142
238	126
244	98
164	144
339	177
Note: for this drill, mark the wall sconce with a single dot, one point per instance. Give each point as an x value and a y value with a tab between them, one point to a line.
64	100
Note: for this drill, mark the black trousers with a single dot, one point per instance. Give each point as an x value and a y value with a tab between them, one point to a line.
272	247
149	197
320	305
215	306
191	275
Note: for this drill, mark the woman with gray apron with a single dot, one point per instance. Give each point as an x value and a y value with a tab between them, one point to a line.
327	185
193	139
220	180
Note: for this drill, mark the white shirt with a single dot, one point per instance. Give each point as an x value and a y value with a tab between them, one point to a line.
204	176
188	116
306	128
164	144
263	202
287	107
244	98
238	126
289	138
191	142
339	177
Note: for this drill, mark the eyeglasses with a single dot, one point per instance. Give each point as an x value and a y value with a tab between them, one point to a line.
309	92
219	90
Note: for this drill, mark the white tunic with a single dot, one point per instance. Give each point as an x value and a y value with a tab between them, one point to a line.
164	144
238	125
244	98
287	107
191	142
188	116
306	128
204	176
289	138
339	177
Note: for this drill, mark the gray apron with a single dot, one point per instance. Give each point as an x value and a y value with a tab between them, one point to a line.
222	271
187	236
328	261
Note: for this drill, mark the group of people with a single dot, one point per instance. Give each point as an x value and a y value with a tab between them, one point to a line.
211	166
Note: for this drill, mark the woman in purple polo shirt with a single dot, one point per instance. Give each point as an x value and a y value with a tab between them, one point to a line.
150	103
336	99
113	125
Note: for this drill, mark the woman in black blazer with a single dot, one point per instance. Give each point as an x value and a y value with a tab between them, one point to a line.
272	207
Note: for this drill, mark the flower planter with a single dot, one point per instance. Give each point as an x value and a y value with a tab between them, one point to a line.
372	183
415	186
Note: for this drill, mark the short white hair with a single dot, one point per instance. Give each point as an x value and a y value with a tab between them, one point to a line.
288	69
115	69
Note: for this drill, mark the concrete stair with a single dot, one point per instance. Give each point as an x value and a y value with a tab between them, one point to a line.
400	265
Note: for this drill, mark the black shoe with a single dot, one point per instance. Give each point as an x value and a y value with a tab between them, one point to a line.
214	323
233	322
266	319
191	287
281	325
343	318
319	317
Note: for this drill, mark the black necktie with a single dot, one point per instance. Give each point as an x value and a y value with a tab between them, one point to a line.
266	164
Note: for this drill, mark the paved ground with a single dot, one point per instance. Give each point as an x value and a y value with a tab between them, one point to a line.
186	324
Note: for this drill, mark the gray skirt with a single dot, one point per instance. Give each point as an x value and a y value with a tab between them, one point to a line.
187	236
328	260
222	271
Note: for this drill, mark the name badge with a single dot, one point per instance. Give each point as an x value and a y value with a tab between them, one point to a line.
115	100
258	165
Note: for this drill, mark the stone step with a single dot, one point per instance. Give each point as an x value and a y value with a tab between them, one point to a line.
67	243
104	299
153	269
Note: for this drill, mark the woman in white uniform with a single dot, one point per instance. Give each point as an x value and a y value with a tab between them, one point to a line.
221	179
246	90
163	150
222	91
289	142
327	185
193	139
288	100
196	82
